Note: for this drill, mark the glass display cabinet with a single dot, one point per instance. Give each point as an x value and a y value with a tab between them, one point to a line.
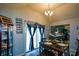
6	36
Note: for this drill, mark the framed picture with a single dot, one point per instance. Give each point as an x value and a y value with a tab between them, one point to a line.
19	25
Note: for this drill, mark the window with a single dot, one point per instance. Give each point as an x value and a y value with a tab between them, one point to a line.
27	39
36	38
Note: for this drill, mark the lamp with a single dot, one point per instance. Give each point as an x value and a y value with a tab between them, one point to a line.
48	12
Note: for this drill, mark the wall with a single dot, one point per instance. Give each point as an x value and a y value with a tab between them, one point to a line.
19	40
73	33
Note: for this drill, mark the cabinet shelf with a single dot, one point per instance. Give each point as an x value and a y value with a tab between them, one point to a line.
6	36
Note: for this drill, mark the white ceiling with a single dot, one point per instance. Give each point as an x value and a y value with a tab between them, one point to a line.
61	10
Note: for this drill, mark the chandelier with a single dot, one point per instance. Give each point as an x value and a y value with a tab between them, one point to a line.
48	12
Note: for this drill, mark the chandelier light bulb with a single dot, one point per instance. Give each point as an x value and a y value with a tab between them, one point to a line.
51	12
48	13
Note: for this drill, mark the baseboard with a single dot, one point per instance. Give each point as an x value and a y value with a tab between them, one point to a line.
22	54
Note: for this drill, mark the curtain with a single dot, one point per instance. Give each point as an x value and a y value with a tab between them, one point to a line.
31	46
42	34
41	29
29	27
32	29
33	35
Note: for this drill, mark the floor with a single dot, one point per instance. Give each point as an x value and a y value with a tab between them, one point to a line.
77	52
33	53
36	53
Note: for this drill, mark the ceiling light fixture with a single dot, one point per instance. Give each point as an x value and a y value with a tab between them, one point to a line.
48	12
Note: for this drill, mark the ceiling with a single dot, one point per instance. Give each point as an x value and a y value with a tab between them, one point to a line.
40	7
61	10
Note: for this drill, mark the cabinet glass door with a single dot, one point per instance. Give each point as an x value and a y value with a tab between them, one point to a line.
10	40
4	41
